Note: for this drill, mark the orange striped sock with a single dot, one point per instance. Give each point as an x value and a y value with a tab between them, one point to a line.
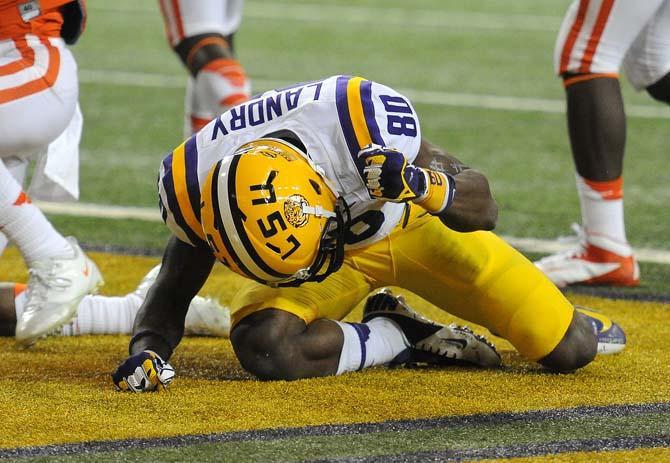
19	288
611	189
602	208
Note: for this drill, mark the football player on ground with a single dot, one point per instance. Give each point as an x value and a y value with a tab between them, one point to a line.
39	120
201	33
115	315
319	193
596	39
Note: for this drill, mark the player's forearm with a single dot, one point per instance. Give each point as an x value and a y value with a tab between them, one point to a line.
159	324
473	207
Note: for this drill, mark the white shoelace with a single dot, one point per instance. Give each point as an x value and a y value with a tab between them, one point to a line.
579	241
43	277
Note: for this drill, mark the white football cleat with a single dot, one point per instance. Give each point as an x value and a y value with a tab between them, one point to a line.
431	343
55	288
205	316
596	260
147	281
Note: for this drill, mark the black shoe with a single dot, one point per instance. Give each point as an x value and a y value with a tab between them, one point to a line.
429	342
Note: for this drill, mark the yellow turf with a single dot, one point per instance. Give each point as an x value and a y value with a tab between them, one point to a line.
619	456
60	390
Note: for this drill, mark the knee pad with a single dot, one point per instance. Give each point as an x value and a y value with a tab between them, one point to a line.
660	90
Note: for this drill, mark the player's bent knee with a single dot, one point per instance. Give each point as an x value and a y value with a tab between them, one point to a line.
577	348
263	344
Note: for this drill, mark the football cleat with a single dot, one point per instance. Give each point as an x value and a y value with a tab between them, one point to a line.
55	288
429	342
593	262
611	337
146	283
205	316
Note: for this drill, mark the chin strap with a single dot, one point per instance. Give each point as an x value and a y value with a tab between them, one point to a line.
331	248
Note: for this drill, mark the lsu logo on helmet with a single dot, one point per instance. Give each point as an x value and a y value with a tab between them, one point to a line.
269	214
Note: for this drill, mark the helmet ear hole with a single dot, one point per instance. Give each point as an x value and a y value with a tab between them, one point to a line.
316	186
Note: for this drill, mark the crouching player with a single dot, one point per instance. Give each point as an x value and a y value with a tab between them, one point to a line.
318	194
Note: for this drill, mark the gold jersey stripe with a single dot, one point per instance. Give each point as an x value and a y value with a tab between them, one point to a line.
356	111
181	190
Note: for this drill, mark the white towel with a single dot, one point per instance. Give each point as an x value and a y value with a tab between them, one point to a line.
56	176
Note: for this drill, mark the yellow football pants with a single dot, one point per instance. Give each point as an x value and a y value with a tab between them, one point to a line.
475	276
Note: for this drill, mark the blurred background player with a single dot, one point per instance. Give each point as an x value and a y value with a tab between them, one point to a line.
115	315
39	121
596	39
201	33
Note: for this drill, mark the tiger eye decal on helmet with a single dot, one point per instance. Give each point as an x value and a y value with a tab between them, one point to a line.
269	215
293	210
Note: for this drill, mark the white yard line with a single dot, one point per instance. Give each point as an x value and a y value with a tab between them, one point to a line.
407	18
434	98
100	211
151	214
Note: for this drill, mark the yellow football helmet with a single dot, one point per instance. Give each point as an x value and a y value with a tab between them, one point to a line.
269	214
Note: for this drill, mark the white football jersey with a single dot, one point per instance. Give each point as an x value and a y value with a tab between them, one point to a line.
332	118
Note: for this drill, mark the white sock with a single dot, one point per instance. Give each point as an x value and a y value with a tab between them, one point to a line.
97	314
3	243
104	315
376	342
19	301
25	225
603	212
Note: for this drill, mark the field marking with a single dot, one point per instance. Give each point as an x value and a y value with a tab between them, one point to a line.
374	17
426	97
408	425
103	211
548	449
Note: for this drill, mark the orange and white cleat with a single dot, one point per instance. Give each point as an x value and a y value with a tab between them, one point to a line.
596	260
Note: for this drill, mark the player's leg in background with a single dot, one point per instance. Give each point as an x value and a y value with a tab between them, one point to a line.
18	168
39	101
116	314
8	293
95	314
590	48
481	279
647	63
201	33
660	90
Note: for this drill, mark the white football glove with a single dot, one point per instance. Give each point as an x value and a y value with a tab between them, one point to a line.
143	372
